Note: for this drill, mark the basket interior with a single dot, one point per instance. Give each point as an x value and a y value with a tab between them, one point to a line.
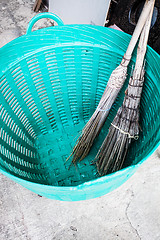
46	99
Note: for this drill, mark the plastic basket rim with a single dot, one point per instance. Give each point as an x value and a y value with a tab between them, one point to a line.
72	27
3	70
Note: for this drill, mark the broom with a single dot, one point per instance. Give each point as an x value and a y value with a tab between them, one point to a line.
115	83
125	126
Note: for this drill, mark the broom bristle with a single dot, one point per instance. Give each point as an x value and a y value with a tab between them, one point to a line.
123	129
115	146
94	125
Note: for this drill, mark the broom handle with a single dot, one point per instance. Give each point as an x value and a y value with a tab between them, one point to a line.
142	46
137	31
138	73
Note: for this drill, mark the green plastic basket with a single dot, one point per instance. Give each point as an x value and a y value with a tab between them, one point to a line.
51	82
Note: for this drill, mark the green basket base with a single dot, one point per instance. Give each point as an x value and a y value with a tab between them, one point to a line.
53	150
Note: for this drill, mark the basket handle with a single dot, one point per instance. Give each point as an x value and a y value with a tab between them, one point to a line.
43	15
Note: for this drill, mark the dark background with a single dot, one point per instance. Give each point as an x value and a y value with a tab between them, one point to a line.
119	15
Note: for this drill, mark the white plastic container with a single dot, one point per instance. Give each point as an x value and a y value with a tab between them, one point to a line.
92	12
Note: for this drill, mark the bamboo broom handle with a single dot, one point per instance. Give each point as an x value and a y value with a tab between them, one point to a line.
137	31
142	46
137	79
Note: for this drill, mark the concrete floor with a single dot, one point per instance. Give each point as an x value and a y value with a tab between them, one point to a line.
131	212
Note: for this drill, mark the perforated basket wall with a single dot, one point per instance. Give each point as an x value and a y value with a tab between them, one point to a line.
51	82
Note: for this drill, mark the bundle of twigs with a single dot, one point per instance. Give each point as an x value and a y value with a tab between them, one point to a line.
125	126
115	83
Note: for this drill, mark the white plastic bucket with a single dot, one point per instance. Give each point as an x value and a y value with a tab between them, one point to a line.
92	12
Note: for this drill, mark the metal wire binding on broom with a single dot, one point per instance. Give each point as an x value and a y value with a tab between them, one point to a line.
127	133
115	83
113	151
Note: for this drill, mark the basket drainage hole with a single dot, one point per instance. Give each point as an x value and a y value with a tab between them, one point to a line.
136	10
